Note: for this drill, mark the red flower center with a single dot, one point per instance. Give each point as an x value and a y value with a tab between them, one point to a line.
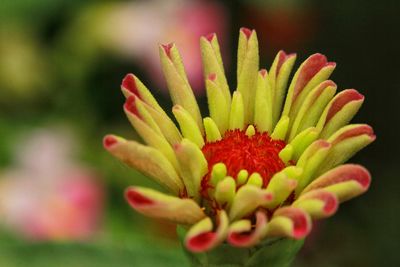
257	153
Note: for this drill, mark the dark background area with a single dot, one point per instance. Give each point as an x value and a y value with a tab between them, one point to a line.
58	68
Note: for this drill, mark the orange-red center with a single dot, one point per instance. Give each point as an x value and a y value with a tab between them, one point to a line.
257	153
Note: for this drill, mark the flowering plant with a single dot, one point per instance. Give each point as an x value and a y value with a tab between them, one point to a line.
263	165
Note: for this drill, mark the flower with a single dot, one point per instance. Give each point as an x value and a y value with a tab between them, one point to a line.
265	163
47	195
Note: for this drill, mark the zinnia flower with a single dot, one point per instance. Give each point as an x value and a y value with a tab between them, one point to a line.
265	163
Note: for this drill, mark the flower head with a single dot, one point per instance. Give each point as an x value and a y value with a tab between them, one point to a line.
266	162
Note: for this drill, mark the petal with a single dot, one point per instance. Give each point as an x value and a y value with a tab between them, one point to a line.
212	63
290	222
340	110
247	199
149	135
132	86
281	185
312	107
225	192
346	142
318	203
302	141
166	125
219	108
156	119
211	129
312	72
241	234
281	128
201	236
147	160
279	77
193	166
263	103
158	205
310	161
188	125
178	84
247	68
346	181
236	117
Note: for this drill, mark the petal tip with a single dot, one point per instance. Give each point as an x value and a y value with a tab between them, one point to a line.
200	242
109	141
136	199
129	83
247	32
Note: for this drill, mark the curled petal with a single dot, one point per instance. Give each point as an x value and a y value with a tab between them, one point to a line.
302	140
310	161
247	199
193	166
312	107
281	185
279	77
312	72
218	106
236	117
263	103
178	84
201	236
346	142
318	203
346	181
151	136
340	110
247	69
132	86
241	234
145	159
188	125
212	62
290	222
158	205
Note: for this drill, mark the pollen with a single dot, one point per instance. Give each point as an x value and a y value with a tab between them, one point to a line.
238	150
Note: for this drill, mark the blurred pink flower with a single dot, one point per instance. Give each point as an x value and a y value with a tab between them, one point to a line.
136	28
47	196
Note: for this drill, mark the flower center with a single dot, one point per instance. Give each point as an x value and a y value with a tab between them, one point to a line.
237	150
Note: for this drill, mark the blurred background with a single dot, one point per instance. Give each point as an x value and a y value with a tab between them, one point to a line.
61	64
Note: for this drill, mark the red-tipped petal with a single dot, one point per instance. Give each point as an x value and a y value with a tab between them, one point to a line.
135	199
246	32
210	36
109	141
201	242
248	237
311	67
341	100
167	48
129	84
130	106
283	57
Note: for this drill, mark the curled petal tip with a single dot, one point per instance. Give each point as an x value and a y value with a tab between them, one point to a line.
130	105
136	199
167	48
247	32
129	84
263	72
342	99
210	36
109	141
200	242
